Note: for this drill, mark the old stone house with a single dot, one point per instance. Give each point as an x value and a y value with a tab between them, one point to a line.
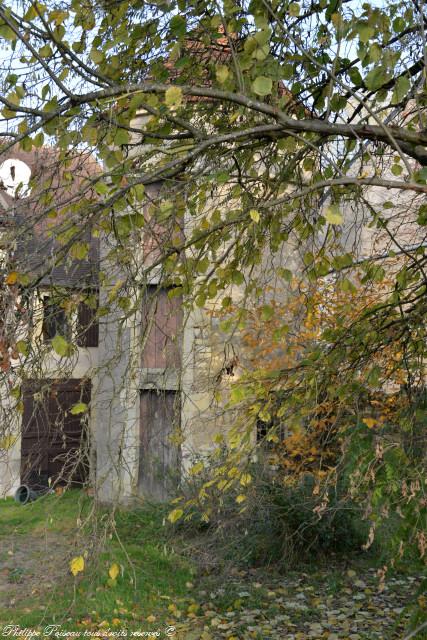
146	379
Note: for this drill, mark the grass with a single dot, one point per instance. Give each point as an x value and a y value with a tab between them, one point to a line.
154	588
151	574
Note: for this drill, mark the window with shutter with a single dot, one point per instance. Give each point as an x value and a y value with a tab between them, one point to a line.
162	319
55	320
87	325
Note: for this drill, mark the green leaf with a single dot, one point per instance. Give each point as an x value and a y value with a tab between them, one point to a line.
333	215
422	215
222	73
399	24
286	274
212	289
267	313
237	277
347	285
355	76
237	395
45	51
79	250
139	192
173	96
38	140
178	26
254	214
376	78
96	56
375	52
262	37
421	175
61	346
22	347
401	89
30	14
121	137
7	33
294	9
101	188
262	85
365	32
166	209
80	407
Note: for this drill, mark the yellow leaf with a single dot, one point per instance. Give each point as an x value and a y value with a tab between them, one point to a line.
197	468
175	515
7	442
333	215
77	565
173	97
240	498
80	407
254	214
193	608
151	618
222	484
370	422
245	479
12	277
233	472
114	571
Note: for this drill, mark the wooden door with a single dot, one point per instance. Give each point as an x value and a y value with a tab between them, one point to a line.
54	441
159	458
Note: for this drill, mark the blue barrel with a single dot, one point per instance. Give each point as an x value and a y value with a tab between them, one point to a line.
25	494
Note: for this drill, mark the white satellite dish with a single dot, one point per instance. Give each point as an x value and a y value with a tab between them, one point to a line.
15	176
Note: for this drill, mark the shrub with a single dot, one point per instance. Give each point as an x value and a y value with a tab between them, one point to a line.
283	523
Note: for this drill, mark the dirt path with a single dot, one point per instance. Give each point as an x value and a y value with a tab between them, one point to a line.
30	564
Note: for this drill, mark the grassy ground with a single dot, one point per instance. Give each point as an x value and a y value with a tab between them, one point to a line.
37	542
160	592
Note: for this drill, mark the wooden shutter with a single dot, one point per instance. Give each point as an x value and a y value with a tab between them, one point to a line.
162	317
87	326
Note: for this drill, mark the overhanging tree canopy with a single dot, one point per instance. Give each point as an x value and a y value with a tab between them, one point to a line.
264	121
